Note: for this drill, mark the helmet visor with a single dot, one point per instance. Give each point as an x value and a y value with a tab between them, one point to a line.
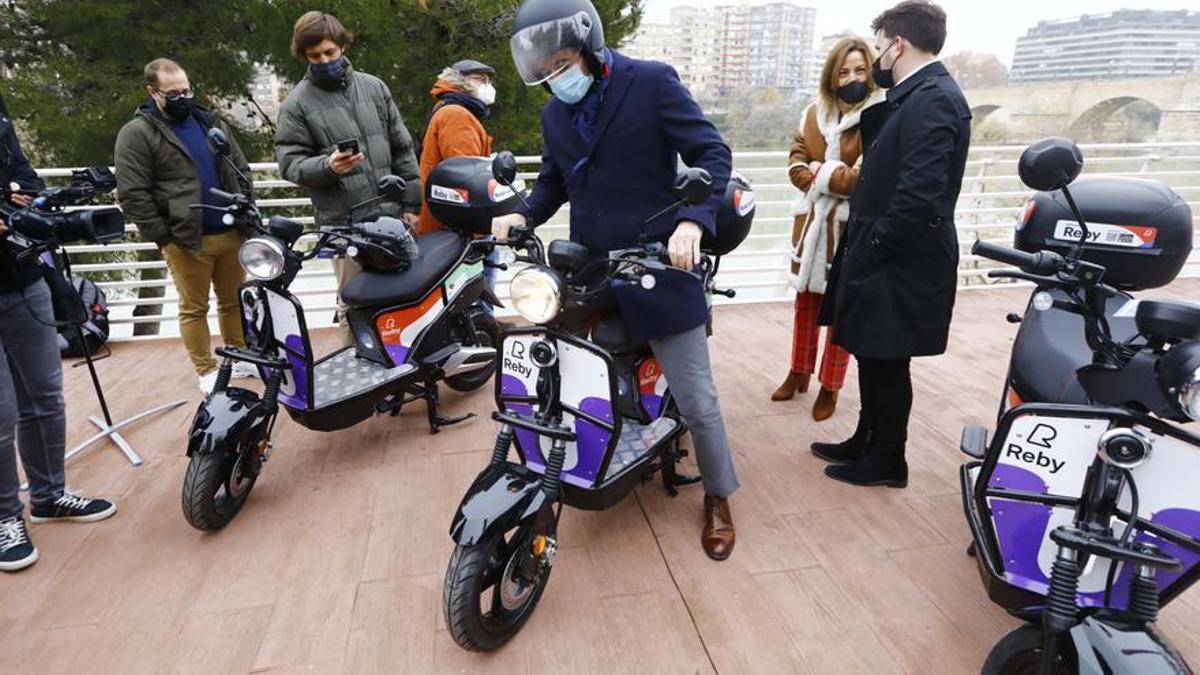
544	50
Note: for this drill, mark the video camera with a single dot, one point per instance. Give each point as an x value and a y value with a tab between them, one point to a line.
46	224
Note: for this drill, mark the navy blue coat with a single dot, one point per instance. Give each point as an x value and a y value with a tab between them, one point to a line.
893	282
646	122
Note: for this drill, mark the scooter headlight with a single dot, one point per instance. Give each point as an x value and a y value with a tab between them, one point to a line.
536	294
262	258
1189	395
1179	377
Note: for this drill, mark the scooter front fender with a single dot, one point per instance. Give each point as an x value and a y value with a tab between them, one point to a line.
1105	646
502	497
223	417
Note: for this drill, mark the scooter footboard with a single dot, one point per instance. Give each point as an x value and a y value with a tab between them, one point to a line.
1032	481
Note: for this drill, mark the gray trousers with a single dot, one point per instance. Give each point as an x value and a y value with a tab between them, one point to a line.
684	361
31	403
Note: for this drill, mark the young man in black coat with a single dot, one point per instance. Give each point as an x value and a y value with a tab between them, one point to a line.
894	281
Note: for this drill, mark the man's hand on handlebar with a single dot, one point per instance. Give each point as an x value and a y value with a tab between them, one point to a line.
17	198
503	224
684	246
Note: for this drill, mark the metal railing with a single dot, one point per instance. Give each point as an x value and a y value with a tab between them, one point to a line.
991	196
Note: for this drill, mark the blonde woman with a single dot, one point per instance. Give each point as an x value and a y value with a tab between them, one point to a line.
824	165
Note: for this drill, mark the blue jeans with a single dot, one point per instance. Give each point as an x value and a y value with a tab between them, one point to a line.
32	412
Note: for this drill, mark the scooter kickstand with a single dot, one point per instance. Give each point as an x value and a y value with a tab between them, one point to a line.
436	420
671	477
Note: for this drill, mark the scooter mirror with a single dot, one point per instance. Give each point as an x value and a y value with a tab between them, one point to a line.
693	186
392	188
504	168
219	142
1050	164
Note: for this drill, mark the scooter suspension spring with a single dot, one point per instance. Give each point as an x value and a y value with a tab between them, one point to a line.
271	392
1143	598
554	464
503	441
1061	610
223	374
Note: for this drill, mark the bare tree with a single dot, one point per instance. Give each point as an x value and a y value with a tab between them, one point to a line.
973	70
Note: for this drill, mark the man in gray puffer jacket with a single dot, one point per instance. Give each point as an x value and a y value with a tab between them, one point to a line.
333	104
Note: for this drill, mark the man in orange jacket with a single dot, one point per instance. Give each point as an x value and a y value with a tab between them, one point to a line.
463	96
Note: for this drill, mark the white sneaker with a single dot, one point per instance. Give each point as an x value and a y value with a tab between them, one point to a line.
244	369
207	382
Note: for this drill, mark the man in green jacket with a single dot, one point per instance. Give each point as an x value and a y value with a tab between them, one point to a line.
164	164
334	104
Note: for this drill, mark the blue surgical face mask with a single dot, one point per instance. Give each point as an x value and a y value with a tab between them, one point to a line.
572	85
330	73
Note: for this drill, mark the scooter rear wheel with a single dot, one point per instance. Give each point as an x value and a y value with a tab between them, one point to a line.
487	334
1020	653
217	484
485	601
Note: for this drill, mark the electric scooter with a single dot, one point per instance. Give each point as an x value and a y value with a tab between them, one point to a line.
1083	514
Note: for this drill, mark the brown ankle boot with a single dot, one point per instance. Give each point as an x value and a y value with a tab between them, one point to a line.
719	535
795	382
825	405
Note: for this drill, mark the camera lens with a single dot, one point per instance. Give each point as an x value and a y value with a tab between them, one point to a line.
543	354
1125	448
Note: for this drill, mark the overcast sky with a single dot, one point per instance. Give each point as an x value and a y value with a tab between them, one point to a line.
973	25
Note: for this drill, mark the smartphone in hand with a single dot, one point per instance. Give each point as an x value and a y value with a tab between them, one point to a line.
349	146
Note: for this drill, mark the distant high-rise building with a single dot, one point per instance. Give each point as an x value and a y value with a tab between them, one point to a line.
734	47
824	46
1125	43
687	42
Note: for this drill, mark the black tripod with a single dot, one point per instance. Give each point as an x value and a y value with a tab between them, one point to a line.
108	429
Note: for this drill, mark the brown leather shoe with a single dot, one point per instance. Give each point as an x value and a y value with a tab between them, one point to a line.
719	536
825	405
795	382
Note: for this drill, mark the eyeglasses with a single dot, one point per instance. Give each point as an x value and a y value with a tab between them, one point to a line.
176	95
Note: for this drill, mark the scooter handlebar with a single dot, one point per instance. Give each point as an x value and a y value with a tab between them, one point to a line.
224	196
1041	263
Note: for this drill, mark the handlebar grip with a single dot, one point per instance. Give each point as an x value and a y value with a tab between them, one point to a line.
223	195
1003	254
1041	263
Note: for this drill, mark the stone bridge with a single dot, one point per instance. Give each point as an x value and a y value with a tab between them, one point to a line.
1128	110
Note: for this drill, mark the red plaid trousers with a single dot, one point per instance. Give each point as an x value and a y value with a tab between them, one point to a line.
807	334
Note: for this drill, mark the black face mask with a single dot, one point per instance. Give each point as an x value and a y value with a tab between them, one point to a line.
178	109
883	78
330	75
854	92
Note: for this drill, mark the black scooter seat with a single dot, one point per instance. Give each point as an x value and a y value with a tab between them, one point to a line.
439	251
1051	346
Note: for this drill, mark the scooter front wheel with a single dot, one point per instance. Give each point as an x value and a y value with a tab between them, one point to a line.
485	598
1020	653
216	486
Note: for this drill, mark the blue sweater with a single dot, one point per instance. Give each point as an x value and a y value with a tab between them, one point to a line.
194	138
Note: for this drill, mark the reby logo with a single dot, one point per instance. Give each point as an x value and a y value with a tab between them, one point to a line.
743	201
390	329
449	195
648	373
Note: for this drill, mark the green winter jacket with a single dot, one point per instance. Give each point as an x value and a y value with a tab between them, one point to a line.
313	120
157	181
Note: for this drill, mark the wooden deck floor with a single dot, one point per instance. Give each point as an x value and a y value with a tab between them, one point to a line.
336	564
